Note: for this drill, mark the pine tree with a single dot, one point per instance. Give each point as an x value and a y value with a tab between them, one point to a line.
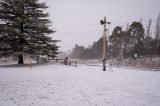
24	29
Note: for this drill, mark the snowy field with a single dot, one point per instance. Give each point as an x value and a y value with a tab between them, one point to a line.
59	85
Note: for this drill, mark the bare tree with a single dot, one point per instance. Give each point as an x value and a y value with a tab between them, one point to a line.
127	27
157	28
148	28
148	39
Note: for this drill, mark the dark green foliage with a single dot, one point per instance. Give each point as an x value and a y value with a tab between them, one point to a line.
136	33
136	37
147	48
117	41
154	49
139	49
24	29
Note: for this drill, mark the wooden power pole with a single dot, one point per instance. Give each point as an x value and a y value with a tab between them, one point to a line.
104	23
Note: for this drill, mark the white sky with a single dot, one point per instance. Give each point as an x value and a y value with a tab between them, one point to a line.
78	21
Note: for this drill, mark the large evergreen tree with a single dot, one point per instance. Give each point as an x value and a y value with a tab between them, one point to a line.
117	40
24	29
136	33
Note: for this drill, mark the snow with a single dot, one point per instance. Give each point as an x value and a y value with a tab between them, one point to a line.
60	85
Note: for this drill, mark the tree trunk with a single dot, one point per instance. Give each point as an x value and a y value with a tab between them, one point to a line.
20	56
38	59
20	59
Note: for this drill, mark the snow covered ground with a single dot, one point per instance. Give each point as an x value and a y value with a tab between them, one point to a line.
59	85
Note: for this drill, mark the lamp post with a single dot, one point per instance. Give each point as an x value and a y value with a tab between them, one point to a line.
104	23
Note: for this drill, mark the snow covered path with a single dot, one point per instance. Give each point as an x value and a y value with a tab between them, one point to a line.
59	85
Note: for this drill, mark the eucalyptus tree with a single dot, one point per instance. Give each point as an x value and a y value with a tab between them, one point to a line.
136	33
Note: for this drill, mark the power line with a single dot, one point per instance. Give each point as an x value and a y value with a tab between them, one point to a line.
80	25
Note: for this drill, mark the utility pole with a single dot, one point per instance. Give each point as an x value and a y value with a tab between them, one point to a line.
104	23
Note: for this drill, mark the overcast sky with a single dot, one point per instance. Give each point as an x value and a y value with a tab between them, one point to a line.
78	21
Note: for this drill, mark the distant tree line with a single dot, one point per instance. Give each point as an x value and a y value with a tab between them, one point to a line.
134	41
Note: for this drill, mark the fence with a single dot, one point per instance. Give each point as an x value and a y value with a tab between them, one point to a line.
66	62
